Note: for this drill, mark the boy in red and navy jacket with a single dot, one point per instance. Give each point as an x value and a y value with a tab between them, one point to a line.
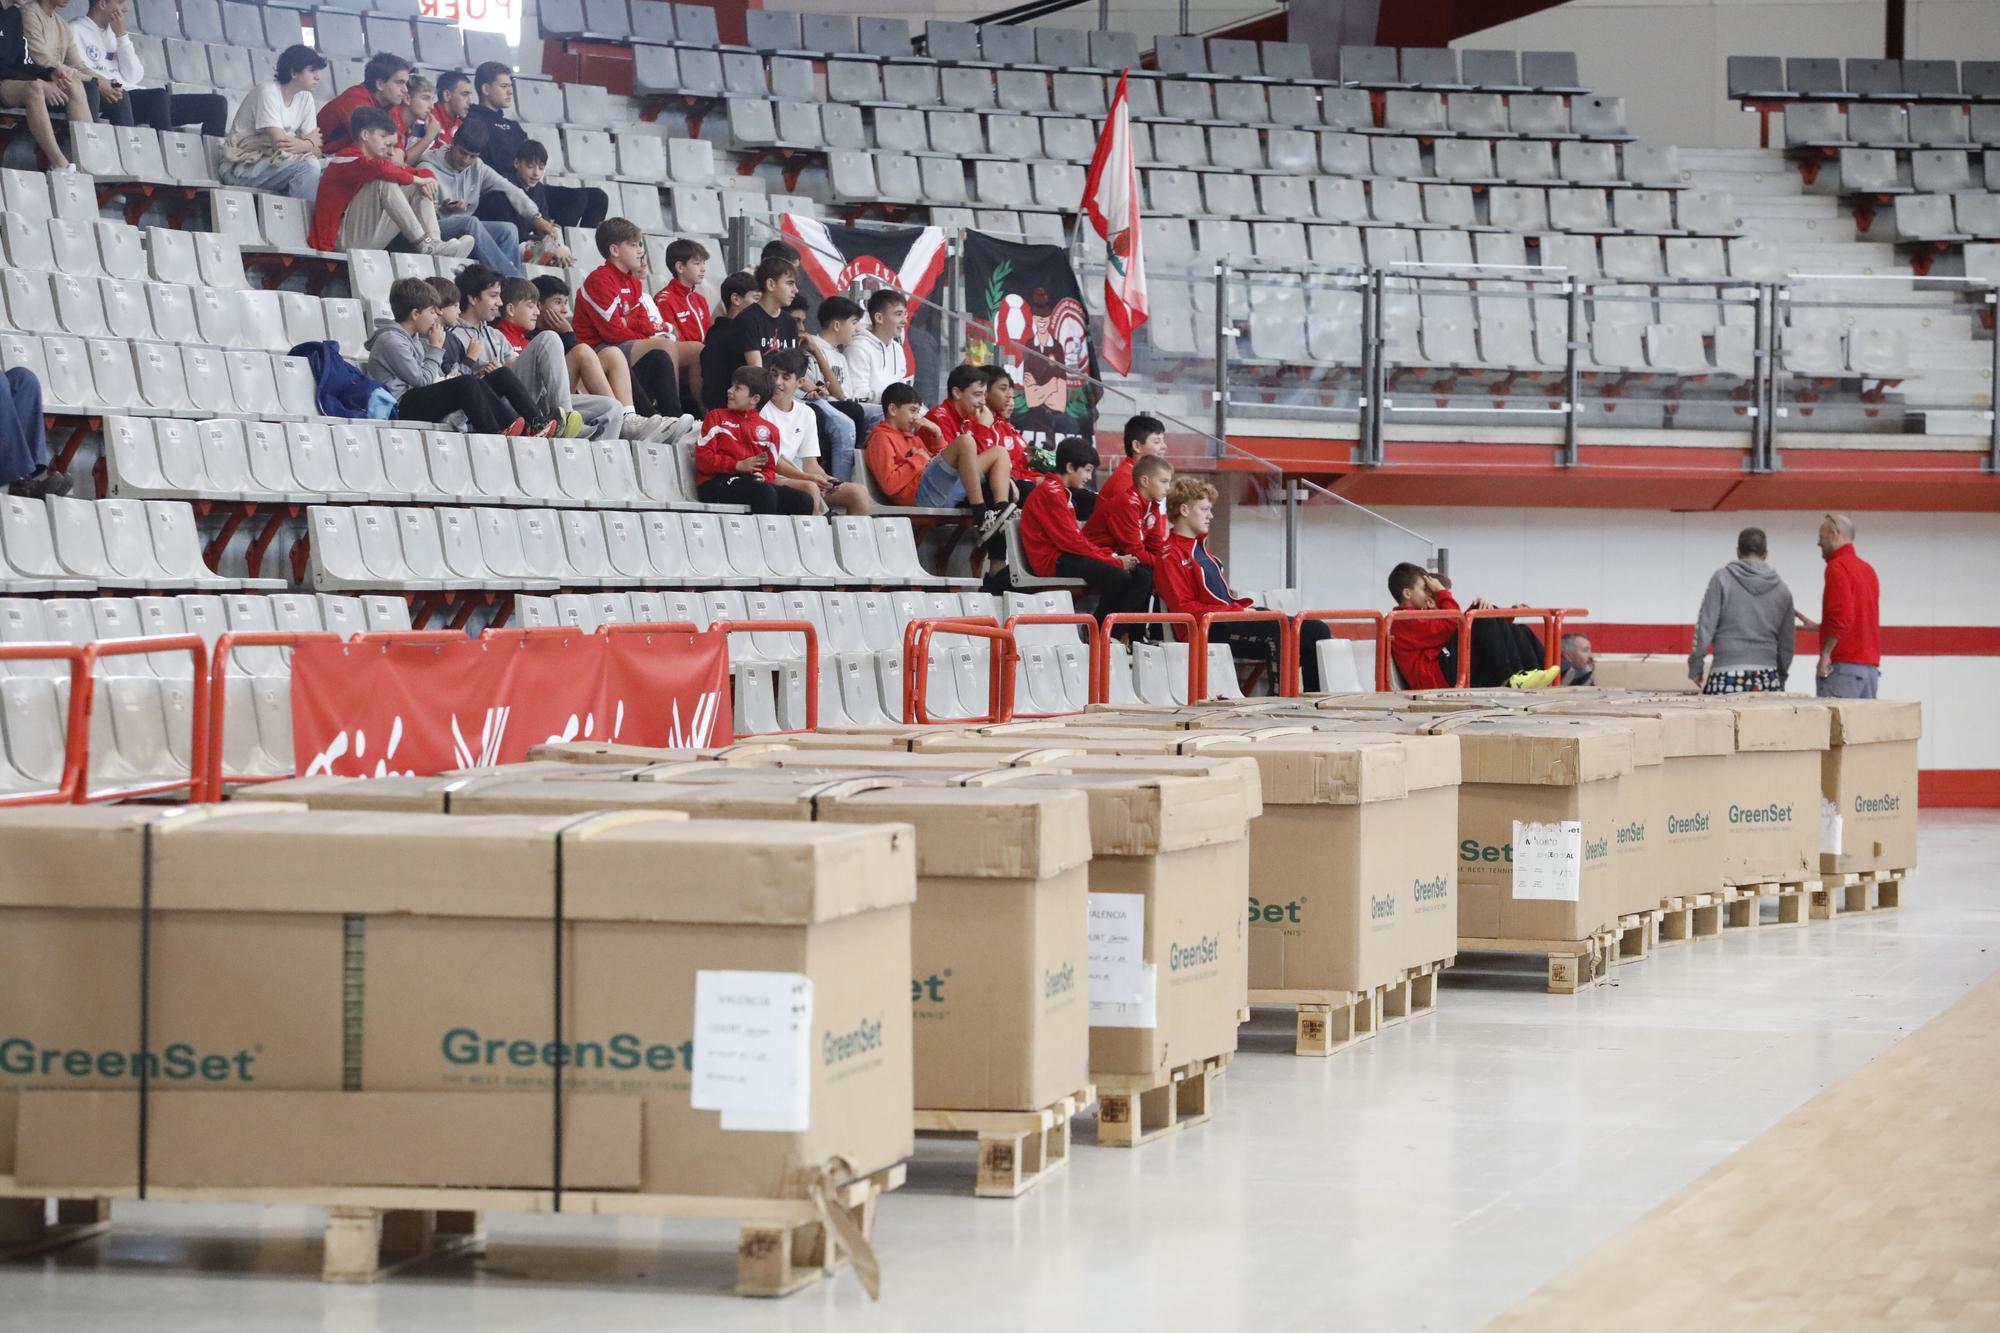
735	461
614	315
1055	546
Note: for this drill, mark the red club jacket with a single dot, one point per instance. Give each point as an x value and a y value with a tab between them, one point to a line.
1850	609
1049	529
727	438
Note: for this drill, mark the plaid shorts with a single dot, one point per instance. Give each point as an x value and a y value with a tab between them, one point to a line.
1745	680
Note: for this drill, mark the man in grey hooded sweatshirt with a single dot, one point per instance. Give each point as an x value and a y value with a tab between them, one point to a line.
1746	618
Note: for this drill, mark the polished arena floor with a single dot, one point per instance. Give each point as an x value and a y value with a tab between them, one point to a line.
1432	1178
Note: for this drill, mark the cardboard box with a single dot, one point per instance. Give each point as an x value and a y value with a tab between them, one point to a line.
1868	786
1353	864
1516	771
1642	806
1663	673
441	929
1771	819
1687	827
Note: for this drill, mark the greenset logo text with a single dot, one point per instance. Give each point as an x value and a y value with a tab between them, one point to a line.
864	1037
1277	914
1687	823
1431	890
626	1051
1201	953
1059	981
1877	805
177	1062
1763	814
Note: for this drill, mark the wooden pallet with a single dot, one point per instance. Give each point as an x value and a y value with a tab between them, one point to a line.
1328	1021
1745	902
1018	1150
25	1227
1414	995
1743	905
1690	916
1573	965
1136	1109
1638	936
784	1245
1859	892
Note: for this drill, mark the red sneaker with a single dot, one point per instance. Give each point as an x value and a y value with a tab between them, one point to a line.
550	429
515	427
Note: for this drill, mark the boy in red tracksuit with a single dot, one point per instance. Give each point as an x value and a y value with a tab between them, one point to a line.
614	315
384	86
1426	651
1056	547
1192	581
1133	519
369	201
1144	436
736	459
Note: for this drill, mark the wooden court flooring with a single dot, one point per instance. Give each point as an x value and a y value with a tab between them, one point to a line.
1876	1205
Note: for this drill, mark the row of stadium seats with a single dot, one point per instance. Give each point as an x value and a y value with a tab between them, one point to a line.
1948	218
96	375
1927	171
106	307
1402	203
62	544
1584	257
1879	125
380	548
1771	78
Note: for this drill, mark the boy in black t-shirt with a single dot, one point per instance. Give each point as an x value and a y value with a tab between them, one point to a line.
767	326
720	355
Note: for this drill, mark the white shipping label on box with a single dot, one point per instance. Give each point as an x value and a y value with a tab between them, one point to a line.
1117	948
1829	827
753	1048
1143	1012
1548	860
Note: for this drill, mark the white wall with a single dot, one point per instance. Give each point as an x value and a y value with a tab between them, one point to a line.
1667	57
1649	568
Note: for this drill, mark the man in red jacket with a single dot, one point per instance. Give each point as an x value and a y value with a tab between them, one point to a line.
1426	651
384	86
369	201
1850	617
1192	581
1056	547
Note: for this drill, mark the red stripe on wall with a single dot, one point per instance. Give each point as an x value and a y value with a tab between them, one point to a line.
1897	640
1963	787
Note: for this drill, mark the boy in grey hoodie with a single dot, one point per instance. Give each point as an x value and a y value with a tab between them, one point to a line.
406	356
1746	617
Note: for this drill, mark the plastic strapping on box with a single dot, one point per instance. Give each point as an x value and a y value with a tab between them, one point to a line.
145	991
846	1232
353	980
457	783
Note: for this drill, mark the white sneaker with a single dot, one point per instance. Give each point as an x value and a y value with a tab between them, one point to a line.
635	428
454	249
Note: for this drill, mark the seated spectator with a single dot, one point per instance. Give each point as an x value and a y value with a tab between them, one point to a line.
1579	663
115	67
1000	399
1132	520
564	205
420	136
478	345
759	328
966	412
384	87
37	88
24	440
1144	436
680	302
1426	651
615	317
798	440
51	43
498	377
876	357
369	201
911	472
465	182
1055	546
521	319
735	461
274	142
1192	581
406	356
454	99
718	350
554	314
779	249
822	390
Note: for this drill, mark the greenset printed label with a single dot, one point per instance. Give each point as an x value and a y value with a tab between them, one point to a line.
1596	849
1381	909
930	989
1687	823
1471	849
1877	805
1435	889
1632	834
1059	981
176	1062
864	1037
1762	814
1204	951
1277	914
625	1051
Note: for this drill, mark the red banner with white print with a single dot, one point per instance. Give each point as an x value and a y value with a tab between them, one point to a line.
376	707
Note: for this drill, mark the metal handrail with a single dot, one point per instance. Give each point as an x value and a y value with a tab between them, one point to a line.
1287	666
196	648
1093	635
1003	654
1180	619
1383	661
76	732
805	627
1371	618
217	689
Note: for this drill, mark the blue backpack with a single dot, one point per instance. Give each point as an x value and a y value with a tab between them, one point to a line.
341	390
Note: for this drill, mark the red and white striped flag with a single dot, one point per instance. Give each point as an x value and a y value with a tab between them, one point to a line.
1111	198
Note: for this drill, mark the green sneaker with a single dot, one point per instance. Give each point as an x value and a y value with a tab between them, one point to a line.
572	425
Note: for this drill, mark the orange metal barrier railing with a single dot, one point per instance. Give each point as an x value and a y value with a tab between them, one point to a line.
1373	619
1093	635
1285	670
197	650
805	627
76	733
917	637
1179	619
217	686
